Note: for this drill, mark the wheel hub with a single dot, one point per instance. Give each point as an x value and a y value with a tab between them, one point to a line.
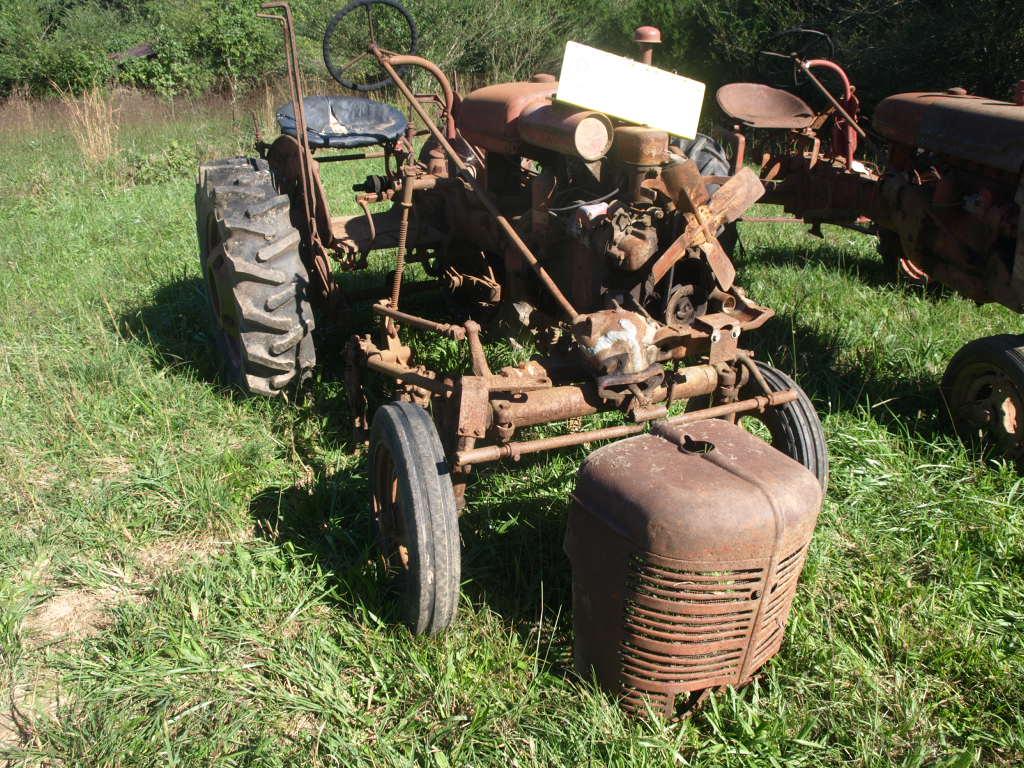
388	513
992	406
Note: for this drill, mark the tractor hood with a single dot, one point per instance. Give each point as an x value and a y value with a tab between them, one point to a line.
980	130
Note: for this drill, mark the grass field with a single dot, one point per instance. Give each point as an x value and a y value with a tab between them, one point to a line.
186	577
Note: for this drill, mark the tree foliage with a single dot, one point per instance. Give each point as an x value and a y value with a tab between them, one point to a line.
887	45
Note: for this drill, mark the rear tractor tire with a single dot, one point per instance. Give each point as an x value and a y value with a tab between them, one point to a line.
255	280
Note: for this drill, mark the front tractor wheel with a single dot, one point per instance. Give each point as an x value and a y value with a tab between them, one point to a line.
415	515
255	279
793	428
984	390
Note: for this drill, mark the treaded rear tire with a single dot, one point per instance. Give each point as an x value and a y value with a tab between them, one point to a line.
256	283
414	510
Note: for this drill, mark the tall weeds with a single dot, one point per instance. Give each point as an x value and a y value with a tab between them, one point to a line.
17	112
92	120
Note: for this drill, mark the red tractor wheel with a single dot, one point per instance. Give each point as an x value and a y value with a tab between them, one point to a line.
984	390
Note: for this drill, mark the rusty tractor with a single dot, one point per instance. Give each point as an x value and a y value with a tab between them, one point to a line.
596	235
945	205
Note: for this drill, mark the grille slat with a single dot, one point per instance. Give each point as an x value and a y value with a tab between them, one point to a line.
688	628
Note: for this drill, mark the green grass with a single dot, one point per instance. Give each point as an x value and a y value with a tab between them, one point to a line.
216	551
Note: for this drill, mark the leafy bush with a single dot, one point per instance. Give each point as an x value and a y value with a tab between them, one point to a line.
888	45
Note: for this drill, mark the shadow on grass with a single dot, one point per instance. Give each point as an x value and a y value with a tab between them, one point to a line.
328	522
905	403
870	270
175	324
512	559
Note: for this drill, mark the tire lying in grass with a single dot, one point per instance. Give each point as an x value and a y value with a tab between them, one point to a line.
255	279
793	428
984	390
415	515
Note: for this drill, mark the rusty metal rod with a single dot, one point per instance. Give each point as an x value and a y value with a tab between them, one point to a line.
401	373
468	176
456	332
492	453
806	67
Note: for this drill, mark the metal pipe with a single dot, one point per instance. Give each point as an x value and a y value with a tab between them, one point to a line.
571	402
476	349
401	60
806	67
513	451
468	176
456	332
402	373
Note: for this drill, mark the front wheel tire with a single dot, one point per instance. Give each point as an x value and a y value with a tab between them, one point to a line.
984	390
415	515
793	428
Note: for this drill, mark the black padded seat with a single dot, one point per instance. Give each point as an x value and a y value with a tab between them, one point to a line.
345	121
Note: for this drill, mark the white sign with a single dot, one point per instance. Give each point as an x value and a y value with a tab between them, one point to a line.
630	90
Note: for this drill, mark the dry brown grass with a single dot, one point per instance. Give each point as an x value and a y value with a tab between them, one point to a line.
18	111
93	123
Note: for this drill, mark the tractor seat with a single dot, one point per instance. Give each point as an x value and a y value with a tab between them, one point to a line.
761	106
345	121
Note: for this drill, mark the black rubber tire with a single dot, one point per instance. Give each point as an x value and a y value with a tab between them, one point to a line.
429	569
710	157
795	427
708	154
333	24
255	280
969	378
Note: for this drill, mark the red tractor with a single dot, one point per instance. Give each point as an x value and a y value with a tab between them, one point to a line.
596	236
946	204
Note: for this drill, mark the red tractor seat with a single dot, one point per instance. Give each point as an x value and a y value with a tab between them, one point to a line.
345	122
761	106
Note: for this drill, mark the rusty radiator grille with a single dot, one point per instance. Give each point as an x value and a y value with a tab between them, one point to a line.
686	628
778	601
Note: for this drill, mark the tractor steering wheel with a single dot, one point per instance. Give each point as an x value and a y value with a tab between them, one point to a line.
357	26
776	61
